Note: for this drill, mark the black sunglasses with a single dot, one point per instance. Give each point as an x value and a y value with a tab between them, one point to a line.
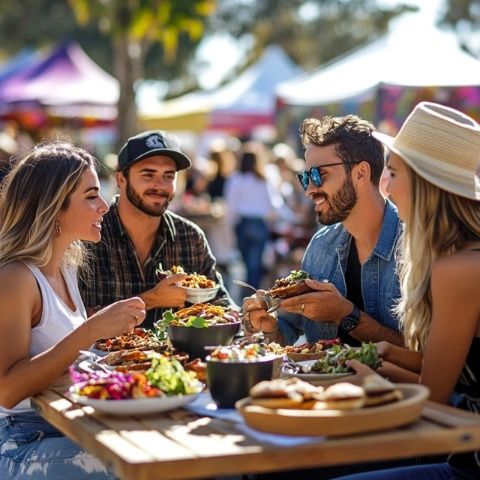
314	175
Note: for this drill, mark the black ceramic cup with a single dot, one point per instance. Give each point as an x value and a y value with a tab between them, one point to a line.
230	381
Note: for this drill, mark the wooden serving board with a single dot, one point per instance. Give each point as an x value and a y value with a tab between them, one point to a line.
337	422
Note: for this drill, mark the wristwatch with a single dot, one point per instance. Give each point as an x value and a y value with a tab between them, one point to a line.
350	321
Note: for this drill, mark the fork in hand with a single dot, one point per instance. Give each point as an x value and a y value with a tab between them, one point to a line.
273	304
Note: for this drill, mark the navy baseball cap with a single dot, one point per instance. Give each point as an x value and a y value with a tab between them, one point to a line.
147	144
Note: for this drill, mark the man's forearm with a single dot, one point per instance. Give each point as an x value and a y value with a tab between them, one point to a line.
369	330
149	298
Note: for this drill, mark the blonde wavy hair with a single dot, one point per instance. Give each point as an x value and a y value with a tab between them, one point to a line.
439	223
32	196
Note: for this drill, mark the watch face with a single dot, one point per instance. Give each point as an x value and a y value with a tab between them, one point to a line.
348	323
351	320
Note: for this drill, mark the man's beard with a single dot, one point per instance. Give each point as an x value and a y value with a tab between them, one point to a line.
340	205
152	210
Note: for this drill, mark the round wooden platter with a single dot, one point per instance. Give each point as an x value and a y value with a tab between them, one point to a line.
337	422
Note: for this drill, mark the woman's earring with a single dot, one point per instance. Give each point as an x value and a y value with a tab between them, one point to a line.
58	229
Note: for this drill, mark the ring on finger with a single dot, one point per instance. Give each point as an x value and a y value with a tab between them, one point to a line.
302	308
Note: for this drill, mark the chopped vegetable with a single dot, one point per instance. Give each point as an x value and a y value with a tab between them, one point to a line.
246	353
165	377
169	376
336	357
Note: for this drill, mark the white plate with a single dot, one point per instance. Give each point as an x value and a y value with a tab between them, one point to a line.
137	406
313	376
201	295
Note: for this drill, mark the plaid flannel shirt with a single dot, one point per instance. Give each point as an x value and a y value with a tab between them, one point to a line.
113	271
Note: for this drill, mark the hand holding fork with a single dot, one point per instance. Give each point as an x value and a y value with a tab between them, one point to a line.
273	304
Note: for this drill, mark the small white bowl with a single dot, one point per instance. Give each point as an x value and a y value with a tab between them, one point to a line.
201	295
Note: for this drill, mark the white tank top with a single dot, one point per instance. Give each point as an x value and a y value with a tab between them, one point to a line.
57	321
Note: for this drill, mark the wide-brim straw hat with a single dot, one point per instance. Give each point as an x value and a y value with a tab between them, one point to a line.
442	145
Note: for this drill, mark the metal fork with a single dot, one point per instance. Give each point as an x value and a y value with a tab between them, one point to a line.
273	304
90	366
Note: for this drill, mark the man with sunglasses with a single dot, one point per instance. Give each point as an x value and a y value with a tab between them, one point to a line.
352	257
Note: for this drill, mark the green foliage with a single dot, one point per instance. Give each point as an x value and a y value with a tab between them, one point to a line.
148	21
464	17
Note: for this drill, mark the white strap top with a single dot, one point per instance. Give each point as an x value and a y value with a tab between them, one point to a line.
57	321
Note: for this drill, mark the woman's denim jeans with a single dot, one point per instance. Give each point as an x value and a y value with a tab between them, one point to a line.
252	236
30	448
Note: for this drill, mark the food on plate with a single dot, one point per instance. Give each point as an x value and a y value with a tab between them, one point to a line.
138	360
290	286
380	391
237	353
114	386
198	367
202	315
293	393
192	280
336	357
285	393
138	339
166	376
127	360
343	396
306	350
312	347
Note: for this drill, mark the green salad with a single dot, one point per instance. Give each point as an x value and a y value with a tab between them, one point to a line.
337	356
168	375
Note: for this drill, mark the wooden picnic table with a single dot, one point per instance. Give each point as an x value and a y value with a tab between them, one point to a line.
182	445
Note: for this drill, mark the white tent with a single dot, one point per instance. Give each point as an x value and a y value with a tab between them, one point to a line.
415	53
240	105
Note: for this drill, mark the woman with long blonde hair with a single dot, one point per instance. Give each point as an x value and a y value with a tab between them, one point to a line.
434	167
49	202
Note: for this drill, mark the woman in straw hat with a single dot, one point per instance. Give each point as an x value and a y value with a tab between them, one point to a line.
434	167
49	201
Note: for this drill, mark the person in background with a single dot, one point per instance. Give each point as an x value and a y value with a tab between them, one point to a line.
434	167
8	150
219	232
352	257
49	201
141	236
249	209
224	163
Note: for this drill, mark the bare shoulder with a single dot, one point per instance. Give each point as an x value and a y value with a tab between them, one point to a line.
16	280
461	268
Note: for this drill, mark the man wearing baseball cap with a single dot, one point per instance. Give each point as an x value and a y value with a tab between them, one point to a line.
140	235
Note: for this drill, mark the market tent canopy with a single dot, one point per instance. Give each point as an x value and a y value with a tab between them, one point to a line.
238	106
18	63
66	77
414	54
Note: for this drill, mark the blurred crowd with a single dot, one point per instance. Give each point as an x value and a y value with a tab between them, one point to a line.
13	141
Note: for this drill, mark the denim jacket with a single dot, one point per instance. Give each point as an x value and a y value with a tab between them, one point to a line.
326	259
